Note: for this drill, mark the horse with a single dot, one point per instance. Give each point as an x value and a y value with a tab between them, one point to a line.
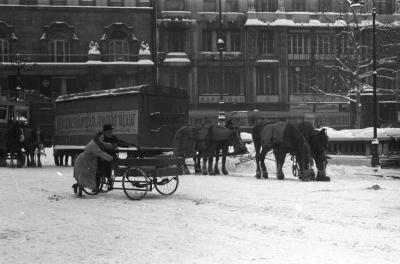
203	143
34	145
11	142
302	140
239	148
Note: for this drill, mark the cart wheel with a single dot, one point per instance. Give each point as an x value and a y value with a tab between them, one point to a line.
166	185
21	159
135	183
90	191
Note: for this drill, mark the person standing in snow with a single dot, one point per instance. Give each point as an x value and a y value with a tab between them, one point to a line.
85	166
104	166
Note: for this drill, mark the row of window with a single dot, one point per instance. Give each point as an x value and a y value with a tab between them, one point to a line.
59	50
382	6
66	2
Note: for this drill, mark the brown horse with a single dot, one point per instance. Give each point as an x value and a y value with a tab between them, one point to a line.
204	142
300	139
33	146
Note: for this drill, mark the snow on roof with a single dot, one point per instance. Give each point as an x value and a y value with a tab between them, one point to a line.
100	93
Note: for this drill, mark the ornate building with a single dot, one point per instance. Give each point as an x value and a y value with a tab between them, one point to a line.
76	45
272	48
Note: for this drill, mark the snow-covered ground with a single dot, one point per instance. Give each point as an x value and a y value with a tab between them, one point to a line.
210	219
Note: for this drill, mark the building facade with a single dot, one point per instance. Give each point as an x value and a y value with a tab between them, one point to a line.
271	51
74	45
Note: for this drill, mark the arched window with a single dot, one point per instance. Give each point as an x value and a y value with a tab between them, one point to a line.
119	43
7	36
118	46
4	47
58	37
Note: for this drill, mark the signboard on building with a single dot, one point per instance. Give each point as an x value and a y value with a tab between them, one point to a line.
213	99
316	98
124	122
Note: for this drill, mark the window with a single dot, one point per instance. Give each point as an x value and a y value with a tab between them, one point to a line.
118	46
324	5
176	40
59	50
86	2
300	80
267	81
323	44
265	42
267	5
235	41
58	2
298	43
385	6
209	80
207	40
210	5
4	50
28	2
343	44
299	5
179	80
116	2
233	81
174	5
231	6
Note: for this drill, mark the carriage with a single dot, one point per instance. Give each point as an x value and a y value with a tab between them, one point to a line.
35	111
146	117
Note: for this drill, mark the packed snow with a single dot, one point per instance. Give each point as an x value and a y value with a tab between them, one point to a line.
210	219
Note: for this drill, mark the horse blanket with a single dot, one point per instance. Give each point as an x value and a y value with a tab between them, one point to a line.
272	134
86	165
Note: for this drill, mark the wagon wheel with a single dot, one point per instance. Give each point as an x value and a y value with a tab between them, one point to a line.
135	183
166	185
90	192
21	159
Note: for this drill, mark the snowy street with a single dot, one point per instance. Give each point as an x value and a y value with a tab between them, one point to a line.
210	219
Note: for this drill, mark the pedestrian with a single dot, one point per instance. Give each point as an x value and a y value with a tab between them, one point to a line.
85	166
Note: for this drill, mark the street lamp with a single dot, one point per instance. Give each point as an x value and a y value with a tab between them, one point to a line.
221	47
375	142
18	64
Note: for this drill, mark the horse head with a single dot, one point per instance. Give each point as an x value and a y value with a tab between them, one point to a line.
236	141
319	144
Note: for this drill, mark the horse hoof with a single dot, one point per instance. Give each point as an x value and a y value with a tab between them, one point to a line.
205	173
265	175
321	176
216	172
225	172
258	175
280	177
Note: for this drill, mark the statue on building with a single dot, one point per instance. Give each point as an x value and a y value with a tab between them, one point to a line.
94	48
94	51
144	49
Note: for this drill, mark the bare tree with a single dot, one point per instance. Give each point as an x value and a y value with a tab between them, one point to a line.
351	70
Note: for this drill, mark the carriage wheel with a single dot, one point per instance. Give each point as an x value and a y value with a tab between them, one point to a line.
90	191
166	185
21	159
135	183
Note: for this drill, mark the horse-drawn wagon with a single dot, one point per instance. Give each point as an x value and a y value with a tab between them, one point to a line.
146	117
25	127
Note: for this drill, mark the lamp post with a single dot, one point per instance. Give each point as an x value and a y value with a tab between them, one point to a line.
18	64
221	47
375	143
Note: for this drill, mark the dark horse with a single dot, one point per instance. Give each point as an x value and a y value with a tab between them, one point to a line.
11	141
302	140
33	146
204	142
